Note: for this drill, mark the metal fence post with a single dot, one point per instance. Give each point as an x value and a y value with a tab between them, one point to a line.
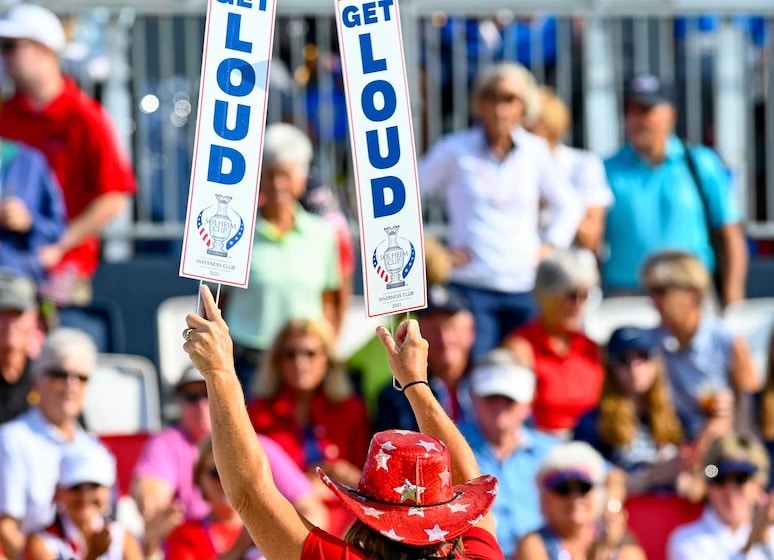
732	128
600	99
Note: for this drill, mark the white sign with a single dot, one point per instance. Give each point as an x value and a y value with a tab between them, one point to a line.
223	197
384	156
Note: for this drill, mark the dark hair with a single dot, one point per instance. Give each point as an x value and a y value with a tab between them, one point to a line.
378	547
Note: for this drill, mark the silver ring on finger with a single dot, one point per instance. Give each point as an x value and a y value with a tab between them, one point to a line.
187	333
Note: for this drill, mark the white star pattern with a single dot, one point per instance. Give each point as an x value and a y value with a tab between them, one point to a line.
392	535
381	459
436	534
428	445
457	508
388	446
371	512
409	491
403	432
476	521
416	511
445	477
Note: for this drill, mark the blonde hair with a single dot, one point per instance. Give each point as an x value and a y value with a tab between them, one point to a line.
499	71
554	115
618	420
739	447
336	384
767	398
676	268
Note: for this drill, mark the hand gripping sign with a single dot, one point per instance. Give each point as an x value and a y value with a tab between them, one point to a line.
223	196
384	156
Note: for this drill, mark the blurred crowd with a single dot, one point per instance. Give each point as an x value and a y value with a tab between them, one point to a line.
573	430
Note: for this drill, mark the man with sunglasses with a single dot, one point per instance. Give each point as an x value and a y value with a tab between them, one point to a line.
502	391
163	481
31	446
737	519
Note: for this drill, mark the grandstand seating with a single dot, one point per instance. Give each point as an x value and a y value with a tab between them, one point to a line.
753	319
602	319
123	396
653	517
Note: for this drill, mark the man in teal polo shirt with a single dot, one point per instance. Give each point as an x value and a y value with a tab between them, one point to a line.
658	204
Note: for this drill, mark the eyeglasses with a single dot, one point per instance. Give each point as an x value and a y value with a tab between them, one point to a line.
572	487
633	357
60	374
84	487
193	397
738	478
577	295
500	97
8	46
659	290
293	353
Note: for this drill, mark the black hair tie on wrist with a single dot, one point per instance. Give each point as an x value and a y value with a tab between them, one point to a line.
407	385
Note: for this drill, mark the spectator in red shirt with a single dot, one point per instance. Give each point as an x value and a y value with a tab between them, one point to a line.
567	364
306	403
420	495
49	112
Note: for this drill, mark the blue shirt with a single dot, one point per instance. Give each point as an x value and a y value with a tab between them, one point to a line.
25	174
659	208
700	368
31	450
517	507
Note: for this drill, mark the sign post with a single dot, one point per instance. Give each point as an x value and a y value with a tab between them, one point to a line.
226	169
384	156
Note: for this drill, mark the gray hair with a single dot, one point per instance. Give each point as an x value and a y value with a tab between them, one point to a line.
285	143
65	343
565	269
527	85
573	456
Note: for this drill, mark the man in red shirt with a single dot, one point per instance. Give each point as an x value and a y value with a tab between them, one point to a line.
50	112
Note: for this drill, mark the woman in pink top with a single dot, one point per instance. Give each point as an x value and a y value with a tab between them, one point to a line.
566	362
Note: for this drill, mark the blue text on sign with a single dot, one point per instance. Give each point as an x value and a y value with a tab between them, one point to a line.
354	16
235	78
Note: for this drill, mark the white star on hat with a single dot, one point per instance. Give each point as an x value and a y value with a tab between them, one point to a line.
387	445
403	432
428	445
457	508
381	459
416	511
476	521
409	491
392	535
371	512
436	534
445	476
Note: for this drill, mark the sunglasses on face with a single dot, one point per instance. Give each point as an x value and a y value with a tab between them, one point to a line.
500	97
8	46
576	295
193	398
60	374
293	353
737	478
633	357
84	487
572	488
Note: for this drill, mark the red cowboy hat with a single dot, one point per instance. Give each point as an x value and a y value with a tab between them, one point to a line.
405	491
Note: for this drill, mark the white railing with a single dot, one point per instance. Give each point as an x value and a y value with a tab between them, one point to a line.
726	74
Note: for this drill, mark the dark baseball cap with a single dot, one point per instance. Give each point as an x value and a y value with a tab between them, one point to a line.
631	339
444	299
17	292
648	90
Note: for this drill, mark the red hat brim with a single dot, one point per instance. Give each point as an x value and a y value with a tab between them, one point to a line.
421	525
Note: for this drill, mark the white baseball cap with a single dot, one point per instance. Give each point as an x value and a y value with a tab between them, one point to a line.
36	23
506	378
93	464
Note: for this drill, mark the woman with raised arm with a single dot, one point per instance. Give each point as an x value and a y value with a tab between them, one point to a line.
420	496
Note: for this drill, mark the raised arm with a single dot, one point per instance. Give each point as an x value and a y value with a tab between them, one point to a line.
273	523
407	355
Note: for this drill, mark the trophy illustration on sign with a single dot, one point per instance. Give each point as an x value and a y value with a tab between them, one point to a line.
394	258
220	227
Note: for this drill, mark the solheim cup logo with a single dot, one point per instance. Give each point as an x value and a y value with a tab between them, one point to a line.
391	264
215	228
